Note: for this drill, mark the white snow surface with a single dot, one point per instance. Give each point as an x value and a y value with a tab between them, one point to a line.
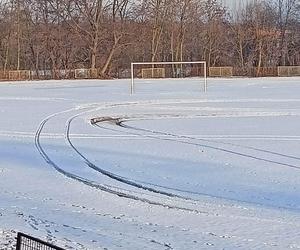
169	167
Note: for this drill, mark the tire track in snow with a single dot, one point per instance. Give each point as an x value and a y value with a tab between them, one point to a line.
184	142
207	138
121	123
110	174
90	183
122	179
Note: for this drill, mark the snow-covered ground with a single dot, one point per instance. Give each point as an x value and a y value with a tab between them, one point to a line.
169	167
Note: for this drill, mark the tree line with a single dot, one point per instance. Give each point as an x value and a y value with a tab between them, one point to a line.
110	34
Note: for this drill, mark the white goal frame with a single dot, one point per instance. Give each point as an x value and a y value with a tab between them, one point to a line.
168	63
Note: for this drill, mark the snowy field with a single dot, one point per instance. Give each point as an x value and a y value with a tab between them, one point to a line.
169	167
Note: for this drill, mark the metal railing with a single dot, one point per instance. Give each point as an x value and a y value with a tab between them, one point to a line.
26	242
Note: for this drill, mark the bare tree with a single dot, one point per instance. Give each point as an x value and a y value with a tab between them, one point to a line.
117	27
84	17
214	37
52	35
286	9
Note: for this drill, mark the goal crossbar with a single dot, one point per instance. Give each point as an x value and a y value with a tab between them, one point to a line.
167	63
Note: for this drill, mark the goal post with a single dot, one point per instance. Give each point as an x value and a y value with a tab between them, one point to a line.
159	72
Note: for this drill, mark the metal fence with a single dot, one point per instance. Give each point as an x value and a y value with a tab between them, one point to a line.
86	73
17	75
26	242
289	71
220	71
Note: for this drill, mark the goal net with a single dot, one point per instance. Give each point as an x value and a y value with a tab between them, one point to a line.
169	70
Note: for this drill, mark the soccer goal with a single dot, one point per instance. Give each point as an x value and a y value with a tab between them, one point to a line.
160	70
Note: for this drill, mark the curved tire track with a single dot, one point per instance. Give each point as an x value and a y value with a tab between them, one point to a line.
91	183
110	174
122	124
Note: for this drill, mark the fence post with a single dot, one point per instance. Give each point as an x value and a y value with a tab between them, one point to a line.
18	246
32	243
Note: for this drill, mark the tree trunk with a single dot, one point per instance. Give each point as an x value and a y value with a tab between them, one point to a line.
6	57
18	36
94	52
259	58
111	54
